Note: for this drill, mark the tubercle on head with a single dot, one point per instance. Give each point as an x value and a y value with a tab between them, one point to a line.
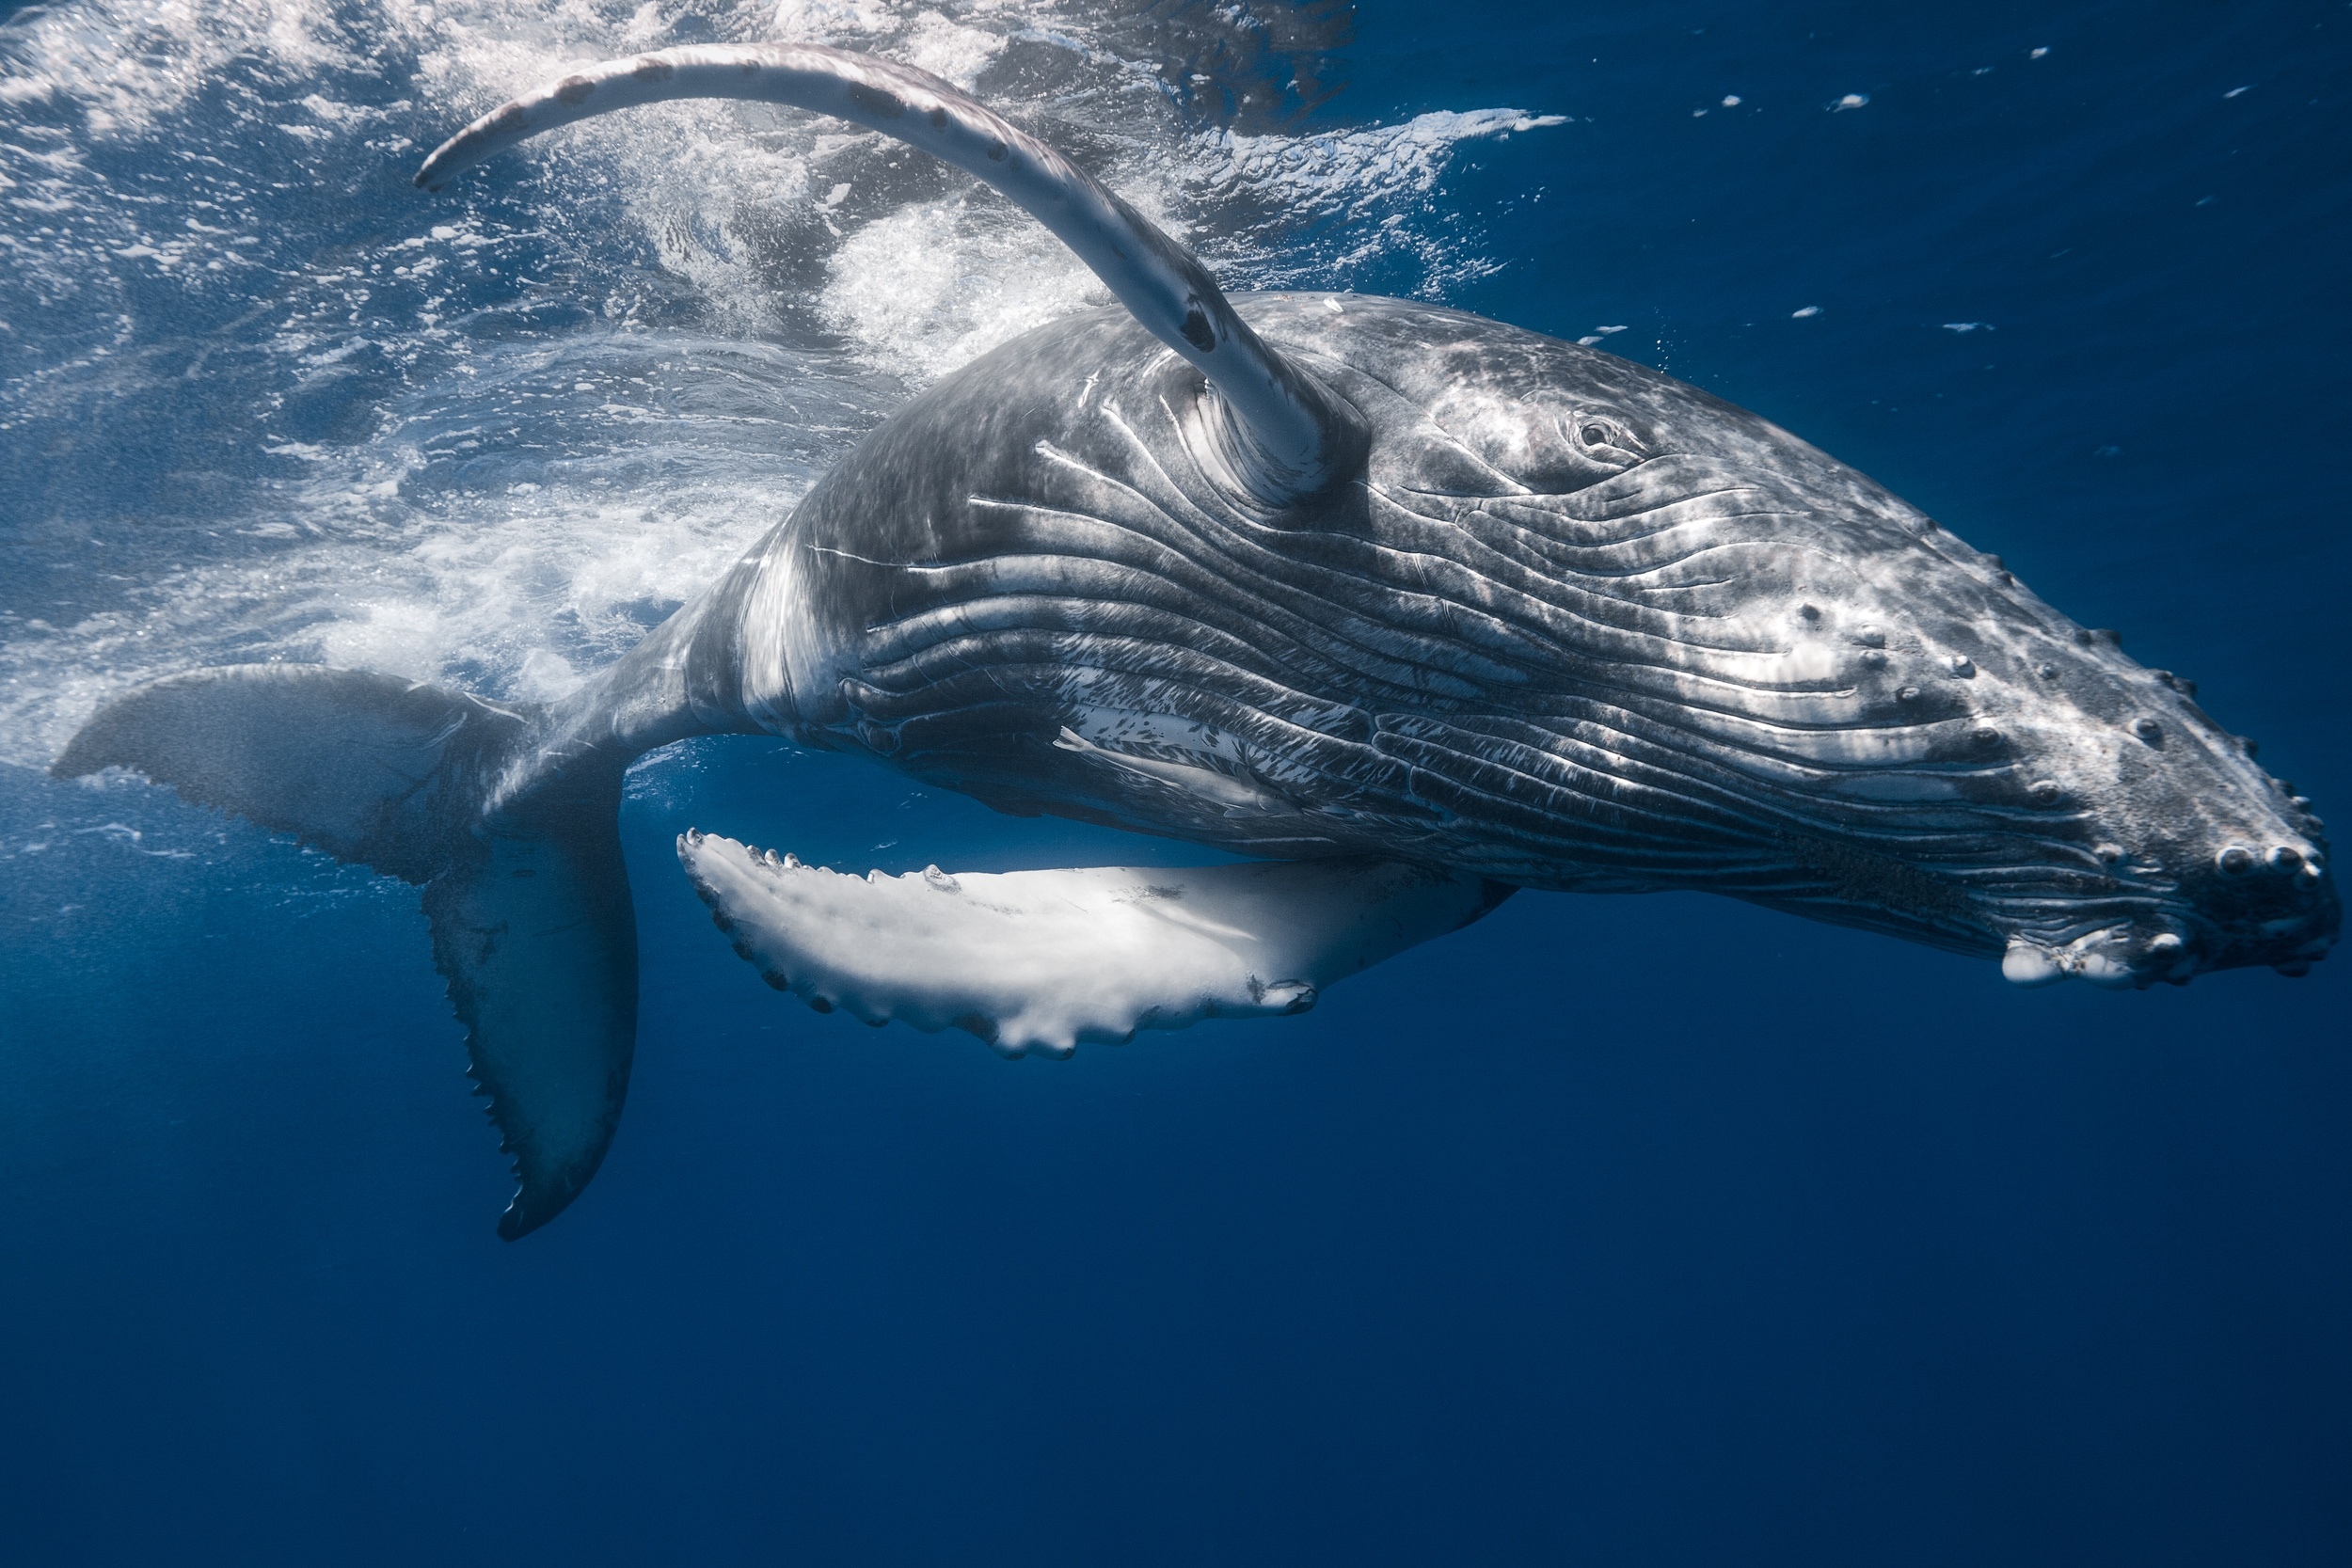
2226	866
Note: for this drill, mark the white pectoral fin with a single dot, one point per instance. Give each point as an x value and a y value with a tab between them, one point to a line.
1042	960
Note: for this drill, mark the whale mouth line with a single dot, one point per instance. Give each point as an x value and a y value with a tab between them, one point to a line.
2113	957
2170	934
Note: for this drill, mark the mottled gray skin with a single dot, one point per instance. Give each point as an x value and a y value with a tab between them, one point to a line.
1579	626
1318	577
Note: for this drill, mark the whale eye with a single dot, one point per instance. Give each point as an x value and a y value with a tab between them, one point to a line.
1548	444
1603	438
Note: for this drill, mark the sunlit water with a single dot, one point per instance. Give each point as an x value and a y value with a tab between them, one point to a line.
1635	1230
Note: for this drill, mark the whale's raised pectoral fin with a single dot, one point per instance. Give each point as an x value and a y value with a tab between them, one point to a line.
1273	430
1043	959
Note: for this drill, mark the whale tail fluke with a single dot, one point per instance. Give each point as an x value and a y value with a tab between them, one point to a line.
524	885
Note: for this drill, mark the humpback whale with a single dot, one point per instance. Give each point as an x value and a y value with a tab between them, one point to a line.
1412	608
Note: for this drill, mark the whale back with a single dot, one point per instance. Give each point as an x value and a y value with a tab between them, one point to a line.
1581	626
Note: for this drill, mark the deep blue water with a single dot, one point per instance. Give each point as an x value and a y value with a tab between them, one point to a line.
1645	1231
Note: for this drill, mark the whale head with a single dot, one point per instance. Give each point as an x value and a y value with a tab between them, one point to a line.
1764	674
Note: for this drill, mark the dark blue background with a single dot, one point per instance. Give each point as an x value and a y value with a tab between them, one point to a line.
1634	1231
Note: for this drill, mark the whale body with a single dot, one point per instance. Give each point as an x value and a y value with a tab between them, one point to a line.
1420	608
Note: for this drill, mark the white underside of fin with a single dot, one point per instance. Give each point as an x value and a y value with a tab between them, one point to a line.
1043	959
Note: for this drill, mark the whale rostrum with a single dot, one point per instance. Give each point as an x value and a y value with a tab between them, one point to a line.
1416	608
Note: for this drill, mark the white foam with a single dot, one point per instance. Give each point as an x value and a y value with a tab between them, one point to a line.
126	65
1355	170
516	502
934	286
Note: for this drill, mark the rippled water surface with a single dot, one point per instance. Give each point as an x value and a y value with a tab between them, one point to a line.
1615	1230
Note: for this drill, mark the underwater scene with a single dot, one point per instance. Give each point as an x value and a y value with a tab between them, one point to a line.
1657	1007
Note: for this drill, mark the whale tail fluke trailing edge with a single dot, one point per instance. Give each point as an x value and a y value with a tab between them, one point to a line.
524	885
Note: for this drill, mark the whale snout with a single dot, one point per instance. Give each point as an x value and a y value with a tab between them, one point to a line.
2243	904
2273	903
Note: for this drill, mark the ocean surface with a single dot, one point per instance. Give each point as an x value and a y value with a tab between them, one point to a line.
1643	1231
